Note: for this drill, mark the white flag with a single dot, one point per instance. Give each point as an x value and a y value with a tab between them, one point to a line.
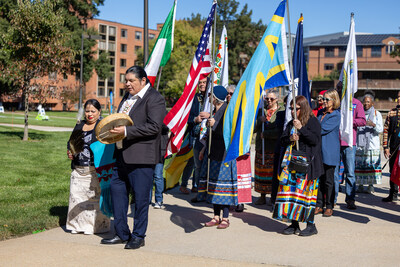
349	79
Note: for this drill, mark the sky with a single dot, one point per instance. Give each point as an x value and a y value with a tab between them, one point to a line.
320	16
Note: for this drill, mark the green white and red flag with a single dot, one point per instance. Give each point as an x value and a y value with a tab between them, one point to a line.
163	47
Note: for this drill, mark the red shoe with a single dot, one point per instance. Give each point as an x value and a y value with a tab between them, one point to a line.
213	222
184	190
223	224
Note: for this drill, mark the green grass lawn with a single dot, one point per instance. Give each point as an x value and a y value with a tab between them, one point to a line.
34	181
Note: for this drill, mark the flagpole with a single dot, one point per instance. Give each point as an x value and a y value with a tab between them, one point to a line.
262	129
211	96
159	77
291	69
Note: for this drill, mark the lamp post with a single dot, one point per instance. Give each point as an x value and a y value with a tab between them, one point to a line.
90	37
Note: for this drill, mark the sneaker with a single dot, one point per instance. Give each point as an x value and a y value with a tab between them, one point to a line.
371	189
73	232
158	205
88	233
351	204
310	230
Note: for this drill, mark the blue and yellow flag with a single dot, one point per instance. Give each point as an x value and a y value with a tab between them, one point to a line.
242	109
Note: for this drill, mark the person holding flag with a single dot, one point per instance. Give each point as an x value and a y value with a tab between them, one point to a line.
297	194
177	117
351	116
266	69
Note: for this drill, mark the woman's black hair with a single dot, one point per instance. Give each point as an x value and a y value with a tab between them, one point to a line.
94	103
139	72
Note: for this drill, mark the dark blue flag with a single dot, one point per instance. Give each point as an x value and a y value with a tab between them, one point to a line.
299	64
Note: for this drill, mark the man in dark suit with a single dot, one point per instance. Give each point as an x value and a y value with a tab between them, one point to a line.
136	156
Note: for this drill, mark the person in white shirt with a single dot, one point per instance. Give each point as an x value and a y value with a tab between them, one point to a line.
368	170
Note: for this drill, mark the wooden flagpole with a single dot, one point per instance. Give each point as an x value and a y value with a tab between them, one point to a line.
211	95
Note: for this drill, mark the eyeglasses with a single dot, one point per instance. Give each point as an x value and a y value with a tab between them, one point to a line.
230	93
320	98
297	108
270	98
326	99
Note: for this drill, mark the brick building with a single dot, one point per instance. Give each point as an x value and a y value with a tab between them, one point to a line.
377	70
122	43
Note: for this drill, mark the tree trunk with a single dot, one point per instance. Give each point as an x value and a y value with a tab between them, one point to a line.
26	114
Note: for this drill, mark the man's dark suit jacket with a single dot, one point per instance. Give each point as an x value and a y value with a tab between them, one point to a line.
142	142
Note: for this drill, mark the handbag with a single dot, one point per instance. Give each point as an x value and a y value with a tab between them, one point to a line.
298	162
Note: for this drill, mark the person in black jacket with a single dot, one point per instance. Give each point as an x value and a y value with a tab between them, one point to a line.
297	193
136	156
84	215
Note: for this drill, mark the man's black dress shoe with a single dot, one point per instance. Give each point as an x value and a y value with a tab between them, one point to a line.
135	243
113	241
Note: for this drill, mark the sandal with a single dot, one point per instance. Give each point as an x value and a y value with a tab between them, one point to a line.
223	224
184	190
213	222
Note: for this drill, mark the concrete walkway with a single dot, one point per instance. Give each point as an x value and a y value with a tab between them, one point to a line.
40	128
368	236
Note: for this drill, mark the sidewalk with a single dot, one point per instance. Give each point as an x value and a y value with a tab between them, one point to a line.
40	128
368	236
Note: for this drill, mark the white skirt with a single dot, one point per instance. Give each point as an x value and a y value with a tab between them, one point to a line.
84	213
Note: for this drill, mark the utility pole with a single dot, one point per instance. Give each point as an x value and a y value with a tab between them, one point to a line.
146	32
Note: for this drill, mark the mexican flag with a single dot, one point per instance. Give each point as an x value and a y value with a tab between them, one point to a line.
163	47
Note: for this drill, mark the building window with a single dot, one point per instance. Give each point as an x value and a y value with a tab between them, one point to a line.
103	29
359	51
102	45
342	51
328	66
122	77
111	46
138	35
376	51
329	51
124	33
152	36
101	91
390	47
137	47
112	61
122	62
123	48
53	75
121	92
111	31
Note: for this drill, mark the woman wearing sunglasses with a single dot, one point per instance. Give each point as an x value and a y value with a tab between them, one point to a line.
264	160
329	118
297	194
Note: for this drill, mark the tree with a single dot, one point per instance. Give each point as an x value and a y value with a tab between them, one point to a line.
243	38
396	52
34	46
75	14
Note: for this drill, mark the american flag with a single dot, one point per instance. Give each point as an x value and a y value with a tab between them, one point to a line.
177	118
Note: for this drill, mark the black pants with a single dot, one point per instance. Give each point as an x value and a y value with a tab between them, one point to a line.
394	188
326	190
224	208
